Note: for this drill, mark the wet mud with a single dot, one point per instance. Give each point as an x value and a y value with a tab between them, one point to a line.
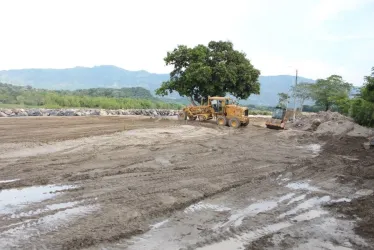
124	183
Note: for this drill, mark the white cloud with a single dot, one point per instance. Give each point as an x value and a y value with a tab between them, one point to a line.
330	9
308	68
337	38
136	34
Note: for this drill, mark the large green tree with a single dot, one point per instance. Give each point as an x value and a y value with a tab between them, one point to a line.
213	70
326	92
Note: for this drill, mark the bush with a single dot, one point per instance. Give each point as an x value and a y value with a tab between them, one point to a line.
362	112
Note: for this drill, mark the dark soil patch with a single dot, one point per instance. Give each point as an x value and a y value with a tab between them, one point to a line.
362	208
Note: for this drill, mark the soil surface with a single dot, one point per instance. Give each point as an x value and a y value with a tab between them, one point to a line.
141	183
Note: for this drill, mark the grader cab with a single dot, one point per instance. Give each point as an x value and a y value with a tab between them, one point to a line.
222	109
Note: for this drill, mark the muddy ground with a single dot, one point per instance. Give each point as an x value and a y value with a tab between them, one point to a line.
141	183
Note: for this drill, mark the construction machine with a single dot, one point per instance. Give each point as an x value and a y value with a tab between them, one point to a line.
279	118
222	109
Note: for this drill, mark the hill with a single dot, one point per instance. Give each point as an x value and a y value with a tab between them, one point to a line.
124	98
271	86
108	76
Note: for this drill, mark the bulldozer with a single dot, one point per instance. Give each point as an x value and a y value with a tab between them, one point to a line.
221	109
279	118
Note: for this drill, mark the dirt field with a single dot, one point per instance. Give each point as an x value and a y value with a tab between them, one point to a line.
141	183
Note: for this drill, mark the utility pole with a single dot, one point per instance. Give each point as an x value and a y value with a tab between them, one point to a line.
294	99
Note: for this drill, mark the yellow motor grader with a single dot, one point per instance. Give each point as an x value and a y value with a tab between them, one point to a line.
222	109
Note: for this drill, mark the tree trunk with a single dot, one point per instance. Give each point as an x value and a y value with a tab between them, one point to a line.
302	106
192	101
327	107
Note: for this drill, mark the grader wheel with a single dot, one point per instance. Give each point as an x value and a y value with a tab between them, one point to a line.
221	121
202	118
234	122
192	118
182	116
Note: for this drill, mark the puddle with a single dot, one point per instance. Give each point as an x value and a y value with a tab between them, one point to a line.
46	209
296	199
14	199
341	200
286	197
239	241
163	162
254	209
312	214
302	186
251	210
34	227
202	206
8	181
333	234
364	192
159	224
306	205
318	244
314	148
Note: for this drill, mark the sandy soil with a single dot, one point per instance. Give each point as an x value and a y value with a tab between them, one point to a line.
141	183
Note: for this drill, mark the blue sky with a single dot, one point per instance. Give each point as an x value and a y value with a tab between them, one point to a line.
318	37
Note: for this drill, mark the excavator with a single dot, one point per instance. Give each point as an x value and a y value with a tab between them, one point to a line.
279	118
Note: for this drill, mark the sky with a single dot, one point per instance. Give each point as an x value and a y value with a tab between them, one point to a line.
317	37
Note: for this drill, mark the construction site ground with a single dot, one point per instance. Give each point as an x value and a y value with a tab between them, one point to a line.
151	183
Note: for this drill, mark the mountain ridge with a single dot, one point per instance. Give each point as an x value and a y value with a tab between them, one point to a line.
110	76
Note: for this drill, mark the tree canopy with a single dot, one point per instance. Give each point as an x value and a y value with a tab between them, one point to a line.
283	100
301	92
362	108
367	91
213	70
89	98
325	92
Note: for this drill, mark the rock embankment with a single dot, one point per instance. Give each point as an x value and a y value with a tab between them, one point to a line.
85	112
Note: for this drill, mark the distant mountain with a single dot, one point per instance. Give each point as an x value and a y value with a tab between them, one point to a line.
82	78
271	86
108	76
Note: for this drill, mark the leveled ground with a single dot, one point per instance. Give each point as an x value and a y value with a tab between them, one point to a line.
175	185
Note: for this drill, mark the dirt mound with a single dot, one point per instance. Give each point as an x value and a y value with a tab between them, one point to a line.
327	123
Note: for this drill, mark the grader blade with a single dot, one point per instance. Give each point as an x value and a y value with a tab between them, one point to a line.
273	126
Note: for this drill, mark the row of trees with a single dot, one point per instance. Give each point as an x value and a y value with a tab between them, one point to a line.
134	92
218	69
333	93
27	96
